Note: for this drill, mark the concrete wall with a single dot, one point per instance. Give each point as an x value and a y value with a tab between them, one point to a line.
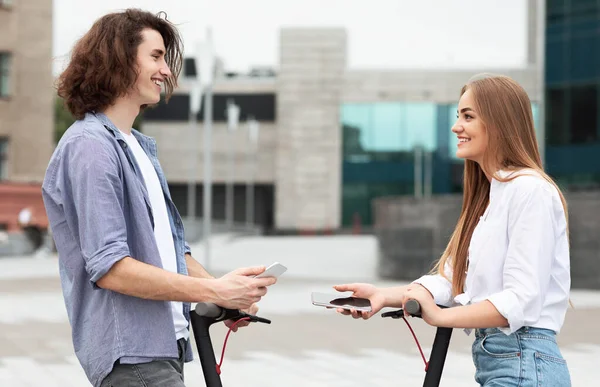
27	117
413	234
308	154
435	86
176	156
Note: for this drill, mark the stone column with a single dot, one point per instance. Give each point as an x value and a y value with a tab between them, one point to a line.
308	158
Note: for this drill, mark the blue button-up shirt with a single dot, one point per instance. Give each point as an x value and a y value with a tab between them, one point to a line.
100	212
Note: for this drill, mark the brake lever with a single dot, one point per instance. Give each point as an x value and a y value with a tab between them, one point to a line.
395	314
253	318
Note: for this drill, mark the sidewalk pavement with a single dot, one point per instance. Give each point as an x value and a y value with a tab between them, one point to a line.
305	345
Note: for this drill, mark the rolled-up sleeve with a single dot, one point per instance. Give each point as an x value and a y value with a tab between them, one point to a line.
526	272
187	249
97	192
438	285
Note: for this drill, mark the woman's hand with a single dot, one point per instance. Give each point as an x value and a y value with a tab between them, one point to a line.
430	312
370	292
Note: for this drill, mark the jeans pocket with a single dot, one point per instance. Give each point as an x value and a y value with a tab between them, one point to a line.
499	345
498	360
551	371
106	382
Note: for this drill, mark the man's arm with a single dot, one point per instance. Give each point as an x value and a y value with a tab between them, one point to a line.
134	278
195	269
235	290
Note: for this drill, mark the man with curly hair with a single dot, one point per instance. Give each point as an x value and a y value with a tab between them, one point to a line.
127	274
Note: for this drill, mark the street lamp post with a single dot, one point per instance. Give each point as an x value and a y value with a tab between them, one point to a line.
253	133
205	61
428	178
233	114
195	100
418	171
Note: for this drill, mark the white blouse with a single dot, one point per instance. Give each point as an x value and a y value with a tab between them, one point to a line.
518	256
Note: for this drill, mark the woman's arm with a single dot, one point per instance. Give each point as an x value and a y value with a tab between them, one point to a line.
480	315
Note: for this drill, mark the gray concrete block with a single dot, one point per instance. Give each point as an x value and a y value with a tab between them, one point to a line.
414	233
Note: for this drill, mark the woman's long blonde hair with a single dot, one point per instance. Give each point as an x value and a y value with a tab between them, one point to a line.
505	110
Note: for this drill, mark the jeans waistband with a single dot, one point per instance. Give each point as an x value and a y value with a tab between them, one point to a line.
482	332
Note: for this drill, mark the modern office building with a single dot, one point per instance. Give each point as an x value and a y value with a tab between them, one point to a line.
26	93
573	92
331	138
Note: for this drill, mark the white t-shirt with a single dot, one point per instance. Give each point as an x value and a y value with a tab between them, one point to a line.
518	256
162	227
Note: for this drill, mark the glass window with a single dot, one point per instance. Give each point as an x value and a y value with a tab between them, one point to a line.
555	117
385	131
583	9
555	10
357	199
3	159
355	203
596	58
4	74
453	143
419	126
556	50
581	58
584	114
355	124
388	127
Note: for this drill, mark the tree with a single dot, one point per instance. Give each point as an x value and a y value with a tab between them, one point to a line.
62	118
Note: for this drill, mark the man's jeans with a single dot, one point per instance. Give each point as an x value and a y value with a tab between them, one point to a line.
154	374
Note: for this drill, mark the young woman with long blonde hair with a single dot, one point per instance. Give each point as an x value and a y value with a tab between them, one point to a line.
506	269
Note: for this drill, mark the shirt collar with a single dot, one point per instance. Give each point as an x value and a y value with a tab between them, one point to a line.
148	143
504	173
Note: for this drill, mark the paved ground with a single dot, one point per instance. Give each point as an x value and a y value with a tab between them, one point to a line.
305	345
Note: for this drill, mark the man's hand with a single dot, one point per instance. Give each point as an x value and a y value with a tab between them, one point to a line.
252	310
239	290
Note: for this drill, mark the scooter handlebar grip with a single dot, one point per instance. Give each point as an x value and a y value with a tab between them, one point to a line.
413	307
207	309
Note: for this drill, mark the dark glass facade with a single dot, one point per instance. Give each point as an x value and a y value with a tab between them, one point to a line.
261	106
573	92
378	152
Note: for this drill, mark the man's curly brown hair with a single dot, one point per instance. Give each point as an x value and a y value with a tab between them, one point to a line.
103	63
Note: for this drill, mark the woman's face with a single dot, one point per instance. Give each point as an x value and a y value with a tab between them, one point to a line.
471	133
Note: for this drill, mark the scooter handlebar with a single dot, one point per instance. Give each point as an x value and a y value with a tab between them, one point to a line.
413	307
207	309
218	313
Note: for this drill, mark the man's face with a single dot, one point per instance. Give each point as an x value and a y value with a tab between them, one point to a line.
152	68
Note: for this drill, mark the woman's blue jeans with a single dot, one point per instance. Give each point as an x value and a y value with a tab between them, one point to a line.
528	357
